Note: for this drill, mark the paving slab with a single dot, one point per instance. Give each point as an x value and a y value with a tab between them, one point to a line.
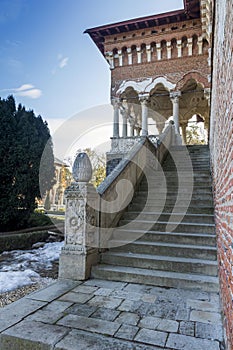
209	331
81	310
149	336
105	292
108	302
187	328
203	305
89	324
18	310
50	313
106	314
54	291
184	342
82	340
206	317
28	335
105	284
128	318
127	332
73	297
85	289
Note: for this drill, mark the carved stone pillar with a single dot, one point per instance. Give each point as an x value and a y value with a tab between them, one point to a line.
115	104
148	53
179	48
190	46
159	51
200	45
132	125
174	96
139	54
130	56
169	50
144	104
81	222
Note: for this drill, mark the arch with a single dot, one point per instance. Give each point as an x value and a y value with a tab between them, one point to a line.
192	76
145	86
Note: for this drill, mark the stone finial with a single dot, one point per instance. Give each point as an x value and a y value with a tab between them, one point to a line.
82	169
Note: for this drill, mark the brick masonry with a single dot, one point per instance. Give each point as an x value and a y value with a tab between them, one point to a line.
221	146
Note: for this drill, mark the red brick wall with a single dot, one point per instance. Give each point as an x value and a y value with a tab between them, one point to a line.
173	69
221	147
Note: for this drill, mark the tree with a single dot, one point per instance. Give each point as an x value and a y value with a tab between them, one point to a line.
22	142
47	204
193	136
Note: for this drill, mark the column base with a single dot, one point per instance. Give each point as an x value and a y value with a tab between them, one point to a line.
75	264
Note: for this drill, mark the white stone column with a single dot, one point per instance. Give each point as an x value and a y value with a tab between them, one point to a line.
148	53
115	104
158	50
169	50
120	58
144	104
130	56
110	59
179	48
174	96
139	54
190	46
207	95
200	45
124	114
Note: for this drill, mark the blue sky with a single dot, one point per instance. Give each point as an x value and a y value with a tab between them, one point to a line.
48	63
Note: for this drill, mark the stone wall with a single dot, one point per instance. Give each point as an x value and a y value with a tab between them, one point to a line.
221	146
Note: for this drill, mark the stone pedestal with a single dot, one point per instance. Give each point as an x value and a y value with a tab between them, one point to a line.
80	251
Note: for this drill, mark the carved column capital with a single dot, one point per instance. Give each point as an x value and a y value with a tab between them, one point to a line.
174	96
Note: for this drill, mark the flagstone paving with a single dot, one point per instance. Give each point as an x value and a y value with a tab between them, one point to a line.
100	315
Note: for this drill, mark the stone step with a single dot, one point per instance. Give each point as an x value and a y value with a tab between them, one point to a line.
154	195
198	218
126	236
160	186
163	263
170	249
162	226
192	209
171	202
156	277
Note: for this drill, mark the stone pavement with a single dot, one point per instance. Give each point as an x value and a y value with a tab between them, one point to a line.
100	315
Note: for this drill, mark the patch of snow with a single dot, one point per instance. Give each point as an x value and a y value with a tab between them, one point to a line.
22	267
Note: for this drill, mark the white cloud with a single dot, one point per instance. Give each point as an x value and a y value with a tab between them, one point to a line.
63	62
26	90
33	93
25	87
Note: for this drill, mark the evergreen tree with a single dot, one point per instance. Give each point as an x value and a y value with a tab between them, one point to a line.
23	140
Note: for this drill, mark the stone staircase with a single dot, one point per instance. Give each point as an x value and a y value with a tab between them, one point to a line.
145	248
